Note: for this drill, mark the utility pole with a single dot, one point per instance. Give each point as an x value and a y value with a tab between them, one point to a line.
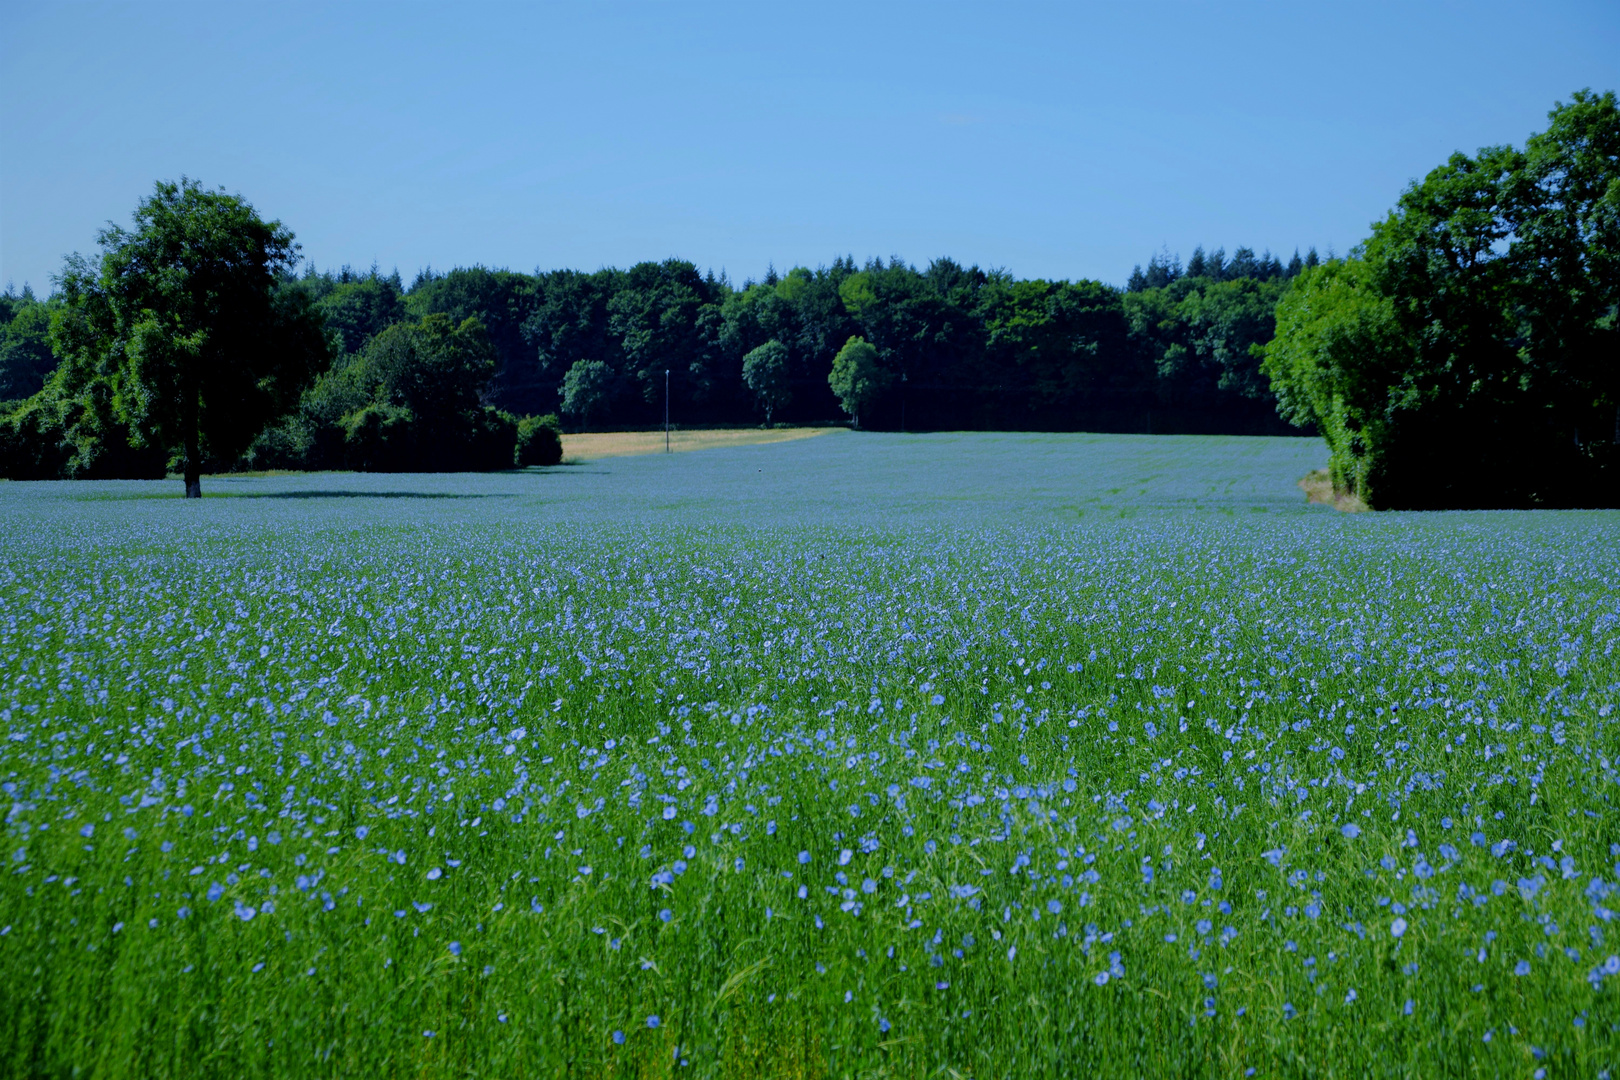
666	410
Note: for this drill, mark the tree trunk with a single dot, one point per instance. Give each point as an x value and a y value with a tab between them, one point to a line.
193	464
193	473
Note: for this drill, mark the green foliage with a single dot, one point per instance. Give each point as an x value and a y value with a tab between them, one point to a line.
955	347
665	317
1055	343
72	428
183	322
796	285
569	324
539	441
1200	334
858	295
600	344
26	359
1338	349
435	368
782	312
1564	206
766	374
1164	270
589	391
410	401
502	301
361	309
1468	351
33	444
858	377
967	348
1226	322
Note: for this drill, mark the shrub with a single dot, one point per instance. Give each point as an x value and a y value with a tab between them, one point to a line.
68	431
539	441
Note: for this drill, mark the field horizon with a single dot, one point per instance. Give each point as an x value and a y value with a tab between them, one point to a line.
990	477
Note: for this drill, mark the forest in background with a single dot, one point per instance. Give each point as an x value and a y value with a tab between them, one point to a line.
956	347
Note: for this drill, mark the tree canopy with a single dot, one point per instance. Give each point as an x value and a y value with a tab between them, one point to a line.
858	377
765	371
410	400
955	347
182	328
26	360
1467	354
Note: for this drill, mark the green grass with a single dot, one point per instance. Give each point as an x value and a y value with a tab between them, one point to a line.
337	779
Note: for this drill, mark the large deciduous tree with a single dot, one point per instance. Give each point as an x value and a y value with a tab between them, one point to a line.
183	320
1468	354
1563	204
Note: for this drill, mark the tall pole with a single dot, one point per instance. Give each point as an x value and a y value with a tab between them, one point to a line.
666	410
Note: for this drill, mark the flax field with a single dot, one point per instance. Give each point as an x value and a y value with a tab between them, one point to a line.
858	756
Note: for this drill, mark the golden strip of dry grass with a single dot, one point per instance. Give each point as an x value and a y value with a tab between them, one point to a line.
601	444
1318	488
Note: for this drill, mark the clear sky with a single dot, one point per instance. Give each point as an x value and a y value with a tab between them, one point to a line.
1063	140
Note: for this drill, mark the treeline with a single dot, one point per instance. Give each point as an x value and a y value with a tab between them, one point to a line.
1468	353
956	347
438	374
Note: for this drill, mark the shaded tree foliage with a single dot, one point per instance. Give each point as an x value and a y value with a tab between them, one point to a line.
591	389
539	441
26	360
502	302
1467	354
356	307
410	401
176	343
1199	333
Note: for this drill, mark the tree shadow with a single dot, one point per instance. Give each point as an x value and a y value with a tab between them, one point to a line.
368	495
564	468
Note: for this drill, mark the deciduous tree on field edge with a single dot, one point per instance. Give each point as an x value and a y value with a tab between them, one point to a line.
183	319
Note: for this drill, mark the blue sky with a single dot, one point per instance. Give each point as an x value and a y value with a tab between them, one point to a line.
1062	140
